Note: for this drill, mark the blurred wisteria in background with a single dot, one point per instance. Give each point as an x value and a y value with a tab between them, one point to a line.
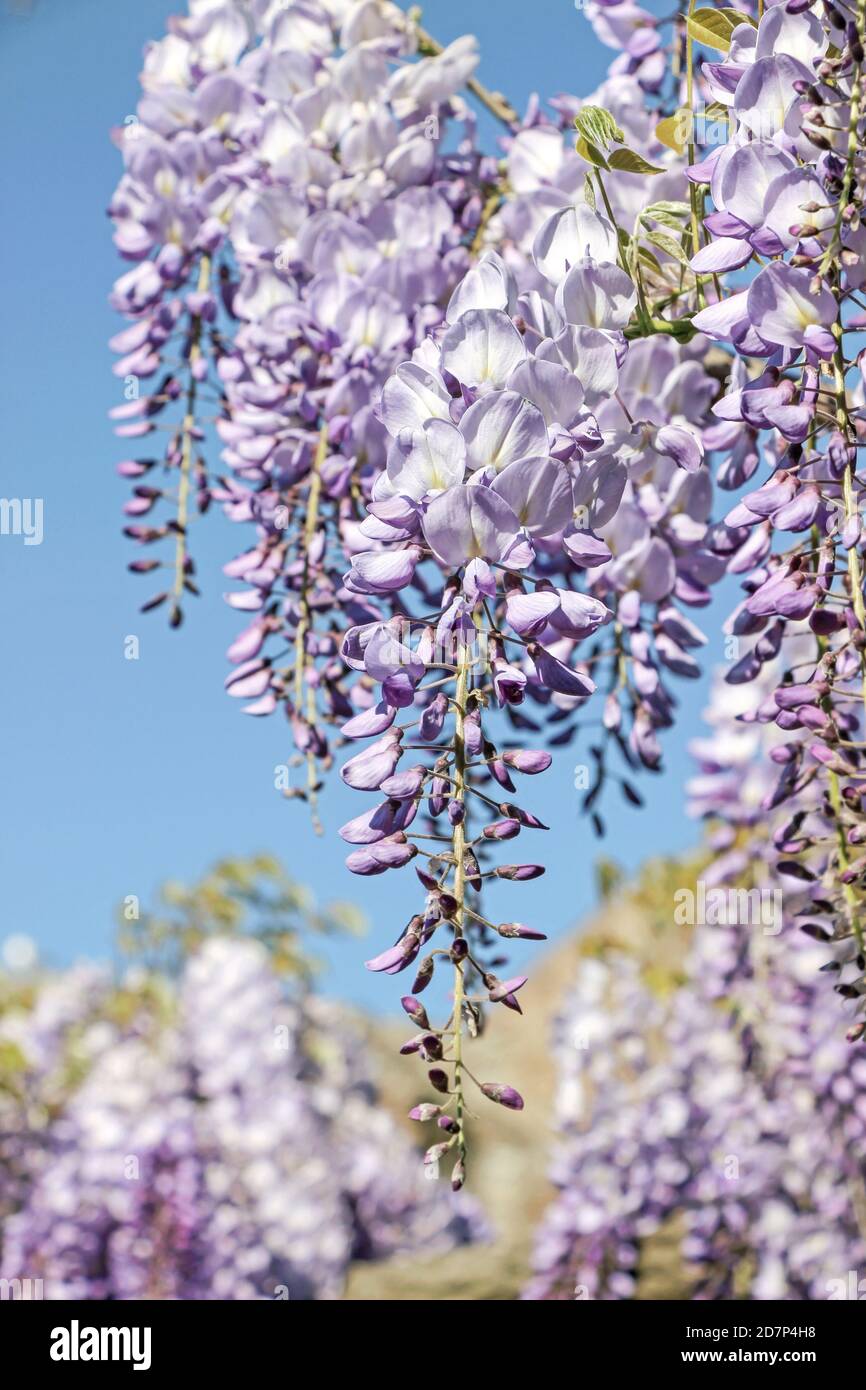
210	1134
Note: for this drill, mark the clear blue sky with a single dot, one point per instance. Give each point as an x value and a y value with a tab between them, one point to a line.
117	774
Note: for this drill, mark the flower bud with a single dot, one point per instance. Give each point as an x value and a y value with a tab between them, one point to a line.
425	1111
415	1010
517	929
424	975
528	760
503	1095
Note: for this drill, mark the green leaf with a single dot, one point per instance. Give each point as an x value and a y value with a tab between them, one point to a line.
675	131
632	163
712	28
668	214
736	17
589	191
669	245
645	255
591	153
667	206
597	127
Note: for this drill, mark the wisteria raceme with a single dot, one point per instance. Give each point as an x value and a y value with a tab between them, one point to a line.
295	224
786	189
741	1126
472	405
234	1151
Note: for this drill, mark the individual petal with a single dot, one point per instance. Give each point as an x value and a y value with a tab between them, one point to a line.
596	294
370	722
500	428
382	571
799	35
553	389
482	349
427	460
781	306
681	445
488	285
569	236
586	549
538	490
785	202
579	615
725	253
720	320
467	523
411	396
369	768
766	93
746	176
590	355
555	675
530	614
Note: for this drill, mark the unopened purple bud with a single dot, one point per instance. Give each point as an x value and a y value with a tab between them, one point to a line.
431	1047
517	929
449	1124
472	734
424	975
519	872
458	1175
456	812
415	1010
472	869
824	621
438	1079
459	949
502	829
424	1112
433	718
612	716
528	760
815	719
503	1095
499	773
793	696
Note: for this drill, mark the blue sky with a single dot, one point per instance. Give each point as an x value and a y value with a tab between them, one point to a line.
118	774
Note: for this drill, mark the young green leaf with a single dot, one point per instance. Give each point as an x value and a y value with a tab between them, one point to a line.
597	127
632	163
591	153
669	245
668	214
712	28
675	131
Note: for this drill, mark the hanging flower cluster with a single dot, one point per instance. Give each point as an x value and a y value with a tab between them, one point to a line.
726	1114
295	222
729	1107
470	405
216	1142
786	191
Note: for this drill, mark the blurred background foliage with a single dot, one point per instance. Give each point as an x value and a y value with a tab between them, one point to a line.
246	897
